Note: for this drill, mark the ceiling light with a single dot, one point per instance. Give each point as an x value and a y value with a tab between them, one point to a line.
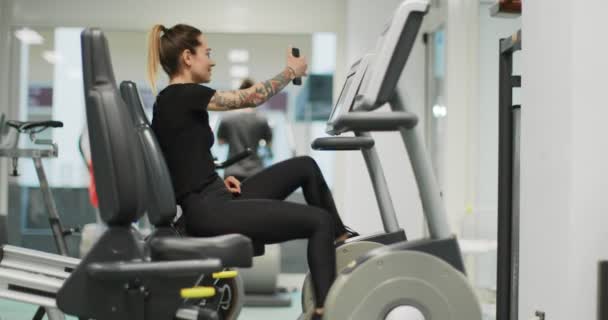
239	71
440	111
238	56
236	83
29	36
52	57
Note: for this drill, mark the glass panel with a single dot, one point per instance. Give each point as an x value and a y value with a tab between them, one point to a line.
50	88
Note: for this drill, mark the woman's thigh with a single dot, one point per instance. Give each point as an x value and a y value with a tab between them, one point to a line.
279	180
268	221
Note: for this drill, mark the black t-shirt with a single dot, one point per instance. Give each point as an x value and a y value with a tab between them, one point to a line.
181	124
243	130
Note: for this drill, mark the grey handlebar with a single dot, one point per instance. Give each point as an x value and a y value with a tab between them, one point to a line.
342	143
377	121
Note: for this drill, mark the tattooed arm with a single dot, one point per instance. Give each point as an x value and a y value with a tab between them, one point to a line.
252	96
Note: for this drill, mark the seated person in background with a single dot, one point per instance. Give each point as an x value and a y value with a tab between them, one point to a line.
241	130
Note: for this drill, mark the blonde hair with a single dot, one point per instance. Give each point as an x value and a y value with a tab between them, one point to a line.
154	54
166	48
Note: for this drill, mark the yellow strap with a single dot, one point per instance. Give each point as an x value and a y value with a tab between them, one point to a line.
198	292
225	274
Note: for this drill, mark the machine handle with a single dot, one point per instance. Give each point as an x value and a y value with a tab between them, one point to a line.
377	121
343	143
234	159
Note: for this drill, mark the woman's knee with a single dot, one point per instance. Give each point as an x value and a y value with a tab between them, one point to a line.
197	225
324	221
192	227
307	164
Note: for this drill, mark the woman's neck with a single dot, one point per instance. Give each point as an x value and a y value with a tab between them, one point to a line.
182	78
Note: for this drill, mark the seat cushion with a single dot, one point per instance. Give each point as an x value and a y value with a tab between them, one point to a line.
234	250
258	248
27	125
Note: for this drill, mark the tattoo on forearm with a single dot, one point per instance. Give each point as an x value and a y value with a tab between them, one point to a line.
254	96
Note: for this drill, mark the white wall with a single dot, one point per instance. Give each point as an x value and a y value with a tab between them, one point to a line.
462	79
590	150
564	157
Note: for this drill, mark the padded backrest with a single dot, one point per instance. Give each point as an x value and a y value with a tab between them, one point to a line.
117	168
131	96
160	197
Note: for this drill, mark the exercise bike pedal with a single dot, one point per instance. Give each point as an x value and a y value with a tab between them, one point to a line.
230	274
197	292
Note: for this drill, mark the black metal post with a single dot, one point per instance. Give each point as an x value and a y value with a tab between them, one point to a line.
507	273
602	290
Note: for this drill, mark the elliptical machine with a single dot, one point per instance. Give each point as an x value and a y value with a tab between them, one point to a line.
425	277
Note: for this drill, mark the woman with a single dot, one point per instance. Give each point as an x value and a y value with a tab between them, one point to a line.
255	207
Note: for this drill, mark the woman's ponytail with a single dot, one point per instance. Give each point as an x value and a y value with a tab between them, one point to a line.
165	47
154	54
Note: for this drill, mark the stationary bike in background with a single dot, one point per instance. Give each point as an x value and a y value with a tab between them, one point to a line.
9	148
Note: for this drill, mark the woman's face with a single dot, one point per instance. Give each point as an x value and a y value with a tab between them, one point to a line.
199	62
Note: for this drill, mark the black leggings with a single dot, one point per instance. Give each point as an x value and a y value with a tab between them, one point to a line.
260	214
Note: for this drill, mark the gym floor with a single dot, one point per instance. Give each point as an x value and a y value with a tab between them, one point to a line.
10	310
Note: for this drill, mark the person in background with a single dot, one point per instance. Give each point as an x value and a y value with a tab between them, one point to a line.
241	130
